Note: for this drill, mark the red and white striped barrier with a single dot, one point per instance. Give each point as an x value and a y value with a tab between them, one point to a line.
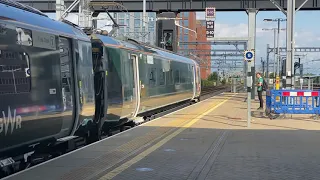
301	93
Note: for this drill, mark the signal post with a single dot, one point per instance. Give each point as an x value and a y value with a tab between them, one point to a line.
249	57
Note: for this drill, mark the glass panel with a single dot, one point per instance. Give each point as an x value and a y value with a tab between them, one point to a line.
161	77
121	15
137	23
152	76
121	21
14	72
151	30
177	76
137	15
186	23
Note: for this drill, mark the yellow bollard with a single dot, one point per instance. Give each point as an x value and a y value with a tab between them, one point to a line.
277	86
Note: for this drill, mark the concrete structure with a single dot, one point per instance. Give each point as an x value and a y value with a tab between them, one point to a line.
176	6
133	26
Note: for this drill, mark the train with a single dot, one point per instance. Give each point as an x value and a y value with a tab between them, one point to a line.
59	84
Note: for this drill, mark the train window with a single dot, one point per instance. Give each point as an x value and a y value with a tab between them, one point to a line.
169	77
161	77
177	76
152	76
183	75
14	72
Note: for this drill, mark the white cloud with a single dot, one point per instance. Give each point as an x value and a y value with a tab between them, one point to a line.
231	30
200	15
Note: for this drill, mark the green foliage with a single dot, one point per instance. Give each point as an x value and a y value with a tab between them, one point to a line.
213	76
223	82
206	83
271	75
309	74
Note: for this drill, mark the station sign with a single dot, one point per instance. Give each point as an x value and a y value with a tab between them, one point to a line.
210	17
210	12
210	25
209	33
209	29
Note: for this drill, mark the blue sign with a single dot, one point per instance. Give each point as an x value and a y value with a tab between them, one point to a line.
249	55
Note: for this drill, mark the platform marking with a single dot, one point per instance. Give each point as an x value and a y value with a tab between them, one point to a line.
142	155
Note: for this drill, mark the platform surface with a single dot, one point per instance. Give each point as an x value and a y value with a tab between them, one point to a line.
209	140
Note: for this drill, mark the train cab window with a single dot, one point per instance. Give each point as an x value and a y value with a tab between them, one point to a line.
177	77
152	76
161	77
14	72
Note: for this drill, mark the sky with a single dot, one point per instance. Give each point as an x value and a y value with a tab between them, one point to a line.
307	34
235	24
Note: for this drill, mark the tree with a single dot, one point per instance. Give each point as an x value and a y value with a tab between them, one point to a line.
271	75
213	76
309	74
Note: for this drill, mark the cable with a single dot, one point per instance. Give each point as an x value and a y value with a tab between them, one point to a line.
128	13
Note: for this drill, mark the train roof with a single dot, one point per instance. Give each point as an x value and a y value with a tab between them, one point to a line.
143	47
19	13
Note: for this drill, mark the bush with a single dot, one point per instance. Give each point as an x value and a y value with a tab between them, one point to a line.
223	81
206	83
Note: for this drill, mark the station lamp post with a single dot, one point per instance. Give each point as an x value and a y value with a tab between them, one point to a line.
278	52
275	59
278	29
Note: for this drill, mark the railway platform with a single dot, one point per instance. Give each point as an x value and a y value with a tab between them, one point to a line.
208	140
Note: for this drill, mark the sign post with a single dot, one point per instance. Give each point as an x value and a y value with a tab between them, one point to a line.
210	17
249	56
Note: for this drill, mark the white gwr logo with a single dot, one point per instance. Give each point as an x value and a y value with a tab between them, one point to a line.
14	121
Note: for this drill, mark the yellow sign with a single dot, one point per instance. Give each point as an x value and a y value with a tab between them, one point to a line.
277	83
277	86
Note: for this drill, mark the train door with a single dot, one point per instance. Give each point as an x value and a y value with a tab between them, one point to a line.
67	85
198	80
136	89
194	82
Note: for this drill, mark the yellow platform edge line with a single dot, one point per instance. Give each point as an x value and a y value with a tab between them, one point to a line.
142	155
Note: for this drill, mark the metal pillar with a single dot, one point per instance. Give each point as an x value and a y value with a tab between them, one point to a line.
245	69
290	44
252	45
278	49
274	53
144	18
59	8
267	62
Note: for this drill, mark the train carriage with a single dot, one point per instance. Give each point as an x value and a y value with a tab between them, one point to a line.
143	78
59	85
46	80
